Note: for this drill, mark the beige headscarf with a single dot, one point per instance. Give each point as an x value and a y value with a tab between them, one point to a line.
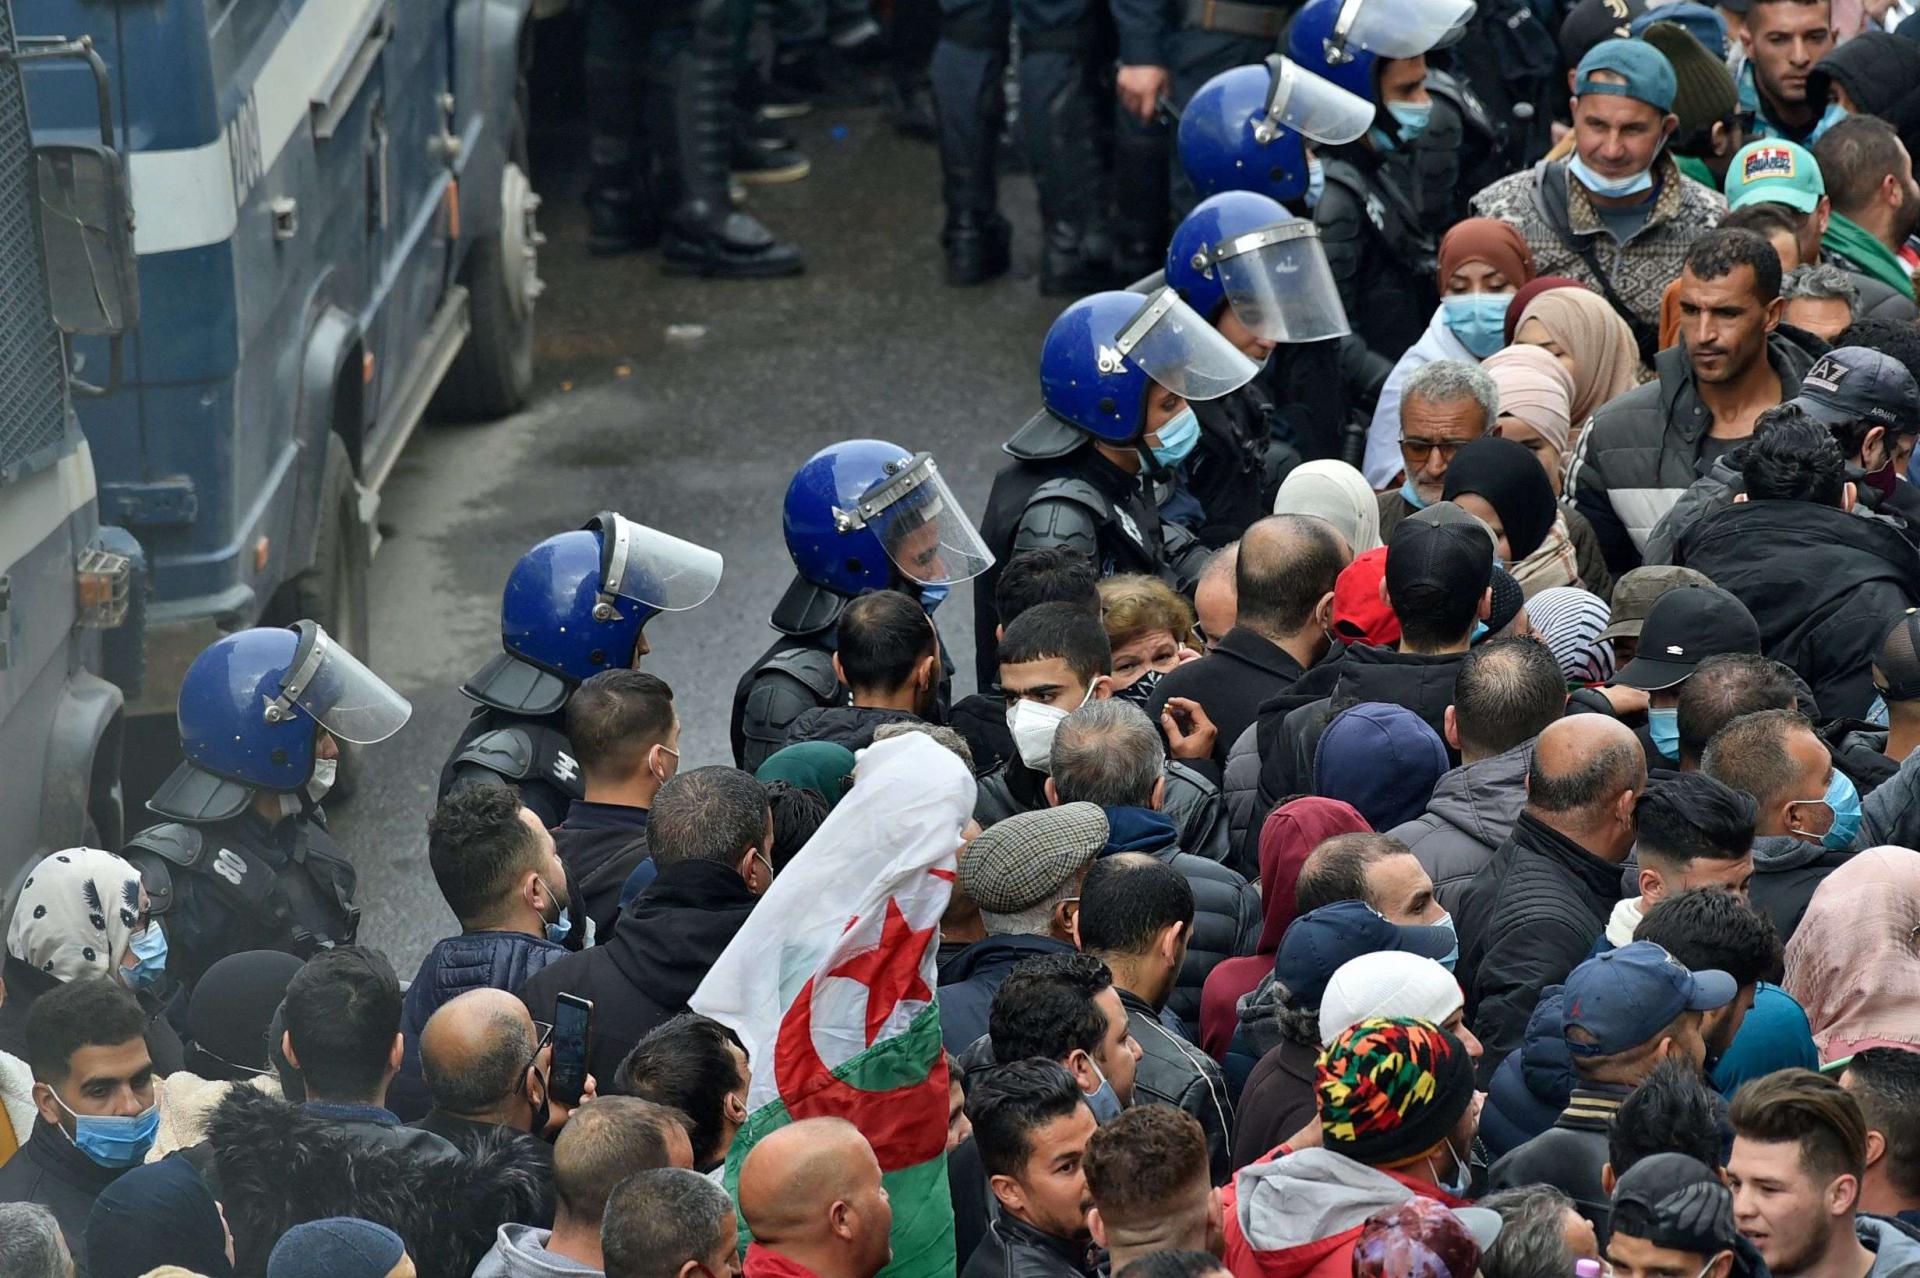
1605	361
1338	494
1536	388
1853	962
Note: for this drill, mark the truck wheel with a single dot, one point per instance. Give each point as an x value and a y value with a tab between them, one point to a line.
493	374
333	591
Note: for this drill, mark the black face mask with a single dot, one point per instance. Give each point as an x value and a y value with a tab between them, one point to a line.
1140	691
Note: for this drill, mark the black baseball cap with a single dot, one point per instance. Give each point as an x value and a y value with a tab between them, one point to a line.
1674	1201
1441	552
1898	659
1853	383
1685	626
1318	944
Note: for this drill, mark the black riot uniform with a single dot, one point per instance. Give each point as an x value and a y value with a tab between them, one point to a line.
1061	491
226	880
1380	248
1237	466
795	674
517	735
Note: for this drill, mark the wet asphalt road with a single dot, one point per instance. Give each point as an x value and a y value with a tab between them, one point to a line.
697	435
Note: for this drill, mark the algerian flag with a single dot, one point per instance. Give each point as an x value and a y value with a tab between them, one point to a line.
830	986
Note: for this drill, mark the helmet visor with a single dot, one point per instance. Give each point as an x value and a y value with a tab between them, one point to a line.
921	525
1279	285
653	568
339	692
1172	344
1312	106
1402	28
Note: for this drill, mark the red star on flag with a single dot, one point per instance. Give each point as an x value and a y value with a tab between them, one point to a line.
890	970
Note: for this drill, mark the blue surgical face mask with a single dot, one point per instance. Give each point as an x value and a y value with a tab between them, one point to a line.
1453	955
1843	801
1316	182
1479	633
1663	726
112	1140
150	947
1877	712
932	597
1479	320
1103	1100
1828	118
1412	117
562	925
1611	188
1177	439
1412	494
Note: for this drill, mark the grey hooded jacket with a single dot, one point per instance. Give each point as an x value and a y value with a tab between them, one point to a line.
520	1251
1471	813
1896	1252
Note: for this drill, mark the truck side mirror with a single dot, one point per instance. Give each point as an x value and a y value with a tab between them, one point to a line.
86	227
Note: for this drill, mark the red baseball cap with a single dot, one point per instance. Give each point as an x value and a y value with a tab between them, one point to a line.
1359	612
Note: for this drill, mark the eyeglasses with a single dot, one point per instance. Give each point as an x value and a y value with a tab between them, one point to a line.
1420	449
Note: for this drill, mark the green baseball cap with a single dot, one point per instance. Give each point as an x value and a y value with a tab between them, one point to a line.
1773	171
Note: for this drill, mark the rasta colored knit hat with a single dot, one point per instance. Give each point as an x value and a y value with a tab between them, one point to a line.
1391	1088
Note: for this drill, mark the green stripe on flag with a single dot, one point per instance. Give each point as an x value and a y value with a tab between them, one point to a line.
923	1241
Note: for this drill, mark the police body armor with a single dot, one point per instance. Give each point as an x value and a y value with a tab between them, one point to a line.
230	885
1236	469
1458	154
1394	217
517	736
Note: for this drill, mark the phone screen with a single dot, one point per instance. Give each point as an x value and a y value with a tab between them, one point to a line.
572	1037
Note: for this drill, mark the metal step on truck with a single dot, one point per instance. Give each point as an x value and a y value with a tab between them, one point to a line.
335	233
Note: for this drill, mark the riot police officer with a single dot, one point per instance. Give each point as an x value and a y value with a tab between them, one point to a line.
576	604
244	861
859	516
1391	194
1117	373
1257	273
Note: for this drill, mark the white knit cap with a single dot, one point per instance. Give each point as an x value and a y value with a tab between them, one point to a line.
1387	983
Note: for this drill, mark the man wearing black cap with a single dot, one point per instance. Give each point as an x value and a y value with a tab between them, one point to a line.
1896	679
1685	626
1820	581
1625	1012
1672	1216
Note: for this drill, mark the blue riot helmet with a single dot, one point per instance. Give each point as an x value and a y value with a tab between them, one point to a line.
1105	351
251	707
1247	128
1340	39
864	514
575	604
1282	289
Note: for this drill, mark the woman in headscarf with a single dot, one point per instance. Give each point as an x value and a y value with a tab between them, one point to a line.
1536	404
1854	960
1150	630
160	1214
82	912
1524	298
228	1016
1569	620
1498	481
1337	493
1291	832
1482	263
1581	330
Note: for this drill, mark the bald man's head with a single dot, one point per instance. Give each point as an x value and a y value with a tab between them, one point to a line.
1587	770
1215	603
1285	574
475	1052
812	1191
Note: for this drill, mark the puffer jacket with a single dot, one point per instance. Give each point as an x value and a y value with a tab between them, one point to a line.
1707	495
1823	583
969	980
1786	871
1297	1215
1531	1086
1014	1249
1420	682
1642	449
1240	794
1640	269
1530	917
1895	1248
470	961
1172	1071
1471	813
1226	908
849	726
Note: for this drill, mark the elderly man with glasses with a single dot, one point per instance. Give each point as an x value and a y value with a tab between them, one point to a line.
1444	406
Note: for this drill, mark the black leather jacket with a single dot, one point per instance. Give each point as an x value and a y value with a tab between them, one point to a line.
1172	1071
1014	1249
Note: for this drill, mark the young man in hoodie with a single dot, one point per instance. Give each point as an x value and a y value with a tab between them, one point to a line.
887	653
1397	1118
1507	692
1690	831
1108	753
626	739
1799	1155
606	1141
